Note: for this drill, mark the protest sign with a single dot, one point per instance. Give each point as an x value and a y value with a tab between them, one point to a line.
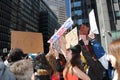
62	43
56	45
71	38
93	25
67	24
29	42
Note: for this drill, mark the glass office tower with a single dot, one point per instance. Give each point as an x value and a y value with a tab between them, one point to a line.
24	15
59	8
79	11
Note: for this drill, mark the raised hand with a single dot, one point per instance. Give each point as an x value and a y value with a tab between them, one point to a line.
91	35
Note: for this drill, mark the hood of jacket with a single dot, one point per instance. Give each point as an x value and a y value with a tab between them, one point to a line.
5	73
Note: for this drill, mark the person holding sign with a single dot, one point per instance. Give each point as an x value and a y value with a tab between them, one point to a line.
73	69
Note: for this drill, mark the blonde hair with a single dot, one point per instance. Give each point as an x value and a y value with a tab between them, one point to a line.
114	49
22	69
51	59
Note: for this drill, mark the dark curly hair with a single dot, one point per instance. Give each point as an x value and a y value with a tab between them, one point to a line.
76	58
16	54
40	62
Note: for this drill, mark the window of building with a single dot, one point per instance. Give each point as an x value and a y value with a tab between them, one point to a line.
86	20
77	4
117	14
115	1
78	12
79	21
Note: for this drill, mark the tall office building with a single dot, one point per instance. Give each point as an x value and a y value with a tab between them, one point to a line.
24	15
59	8
109	20
48	23
68	8
19	15
79	11
107	15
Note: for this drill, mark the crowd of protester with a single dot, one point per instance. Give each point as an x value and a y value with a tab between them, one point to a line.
81	62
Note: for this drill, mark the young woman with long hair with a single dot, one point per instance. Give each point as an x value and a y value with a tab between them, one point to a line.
114	58
73	69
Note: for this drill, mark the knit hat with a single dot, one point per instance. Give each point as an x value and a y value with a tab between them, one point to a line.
76	49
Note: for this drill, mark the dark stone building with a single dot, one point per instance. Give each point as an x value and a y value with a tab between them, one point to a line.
24	15
48	23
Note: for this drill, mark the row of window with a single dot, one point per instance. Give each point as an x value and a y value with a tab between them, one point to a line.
4	44
6	8
17	23
117	14
116	1
77	12
5	15
4	22
81	21
4	29
76	4
4	37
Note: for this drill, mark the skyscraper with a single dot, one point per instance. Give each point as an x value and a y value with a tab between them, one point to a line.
25	15
59	8
68	8
80	10
19	15
107	15
48	23
109	20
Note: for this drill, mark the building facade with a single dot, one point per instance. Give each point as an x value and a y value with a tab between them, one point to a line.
79	11
68	8
48	23
21	15
107	14
59	8
109	20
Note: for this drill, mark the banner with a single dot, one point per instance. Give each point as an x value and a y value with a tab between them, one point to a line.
56	44
93	25
71	38
62	43
29	42
67	24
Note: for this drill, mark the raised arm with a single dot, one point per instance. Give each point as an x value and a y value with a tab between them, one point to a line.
80	73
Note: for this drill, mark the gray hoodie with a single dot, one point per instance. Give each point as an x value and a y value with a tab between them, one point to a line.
5	73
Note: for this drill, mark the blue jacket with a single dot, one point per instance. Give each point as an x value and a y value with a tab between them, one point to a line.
5	73
97	48
100	53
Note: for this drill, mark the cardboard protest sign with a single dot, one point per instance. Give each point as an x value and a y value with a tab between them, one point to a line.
29	42
93	25
71	38
67	24
56	45
62	43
